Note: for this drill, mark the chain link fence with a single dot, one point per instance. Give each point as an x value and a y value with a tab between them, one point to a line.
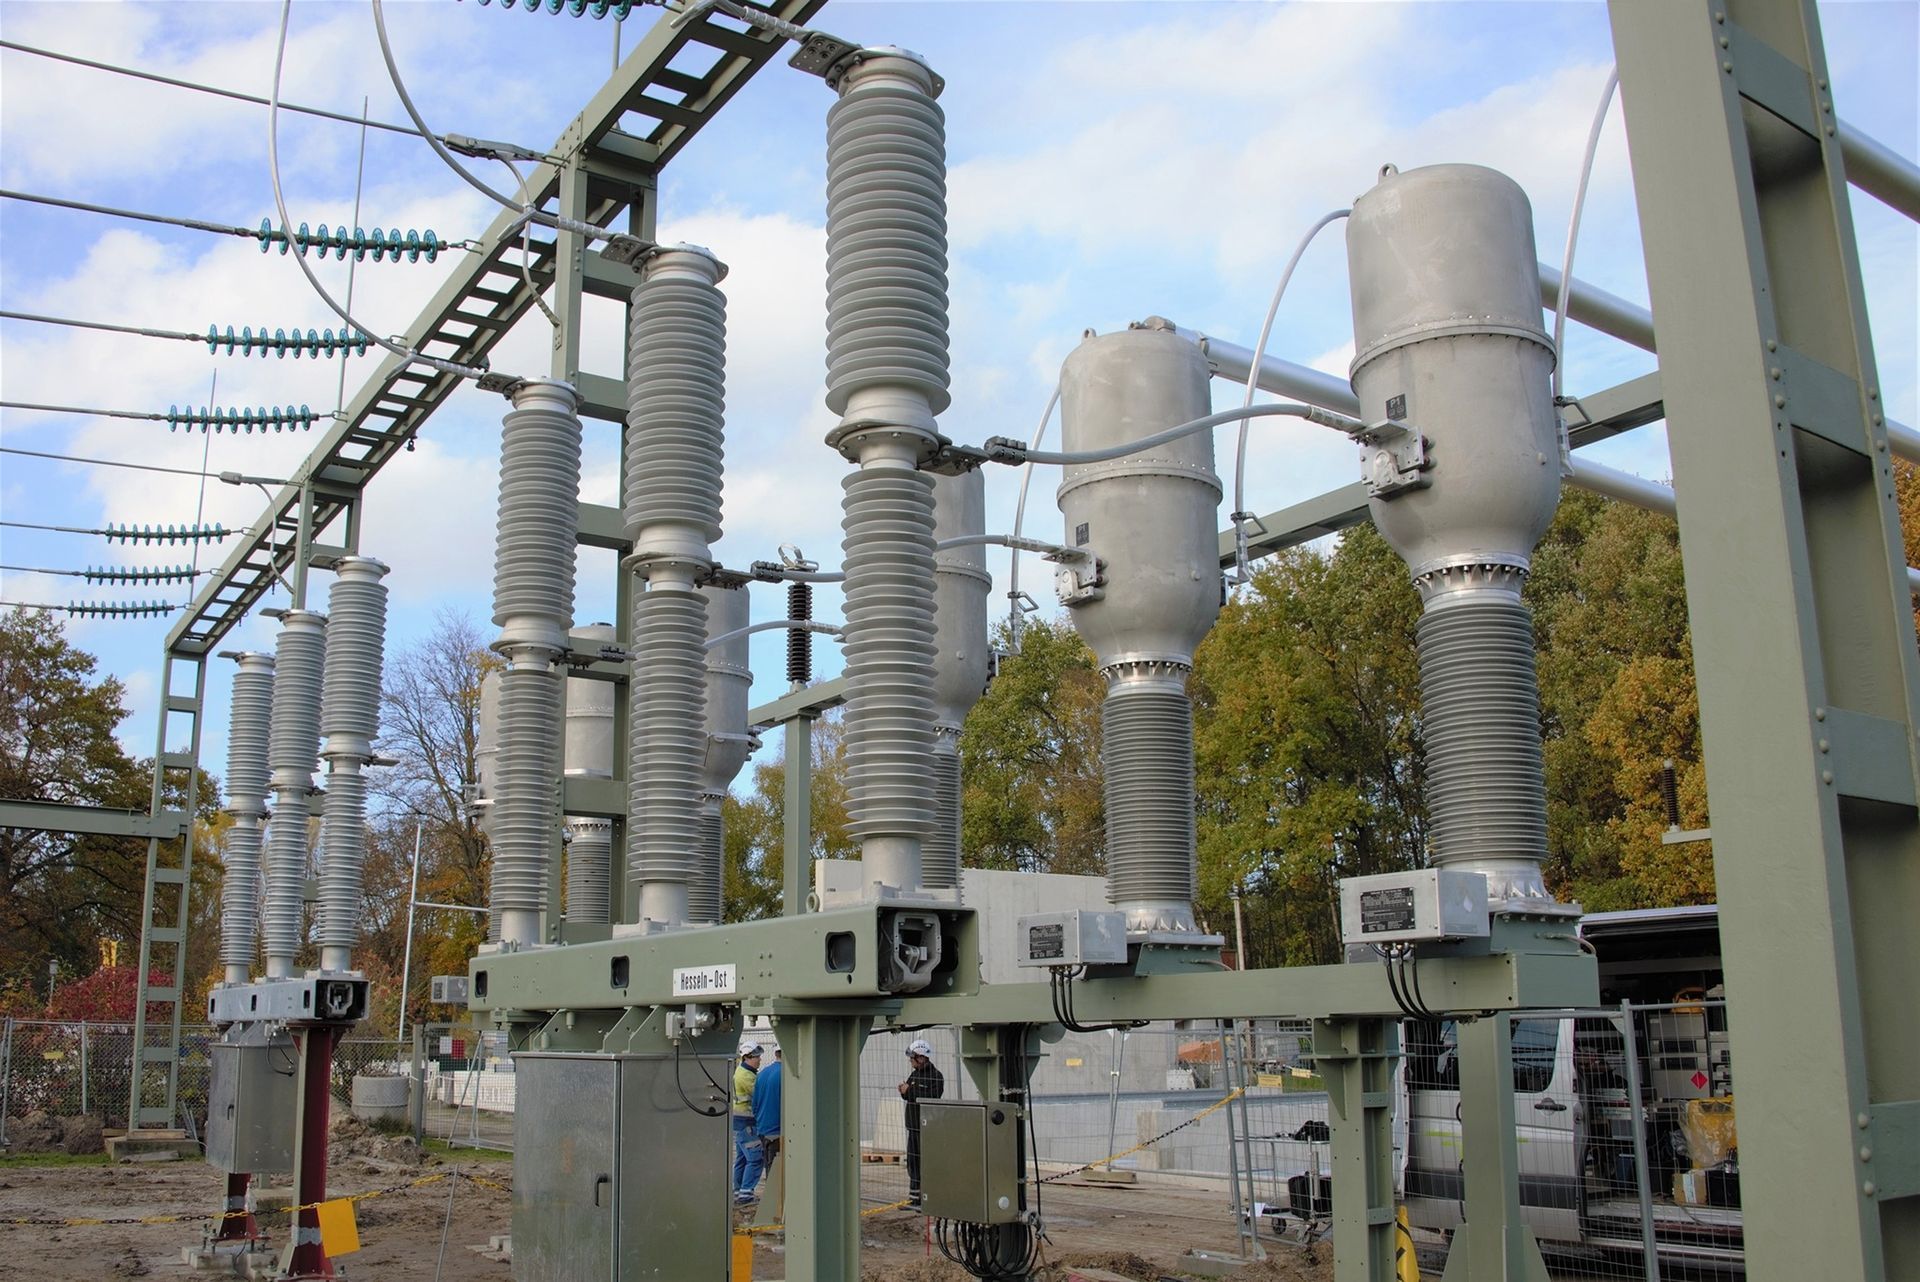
85	1070
1625	1120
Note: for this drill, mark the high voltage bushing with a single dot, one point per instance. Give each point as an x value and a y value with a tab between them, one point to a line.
350	719
248	773
139	574
166	533
676	386
1153	518
240	419
597	8
961	586
887	375
339	243
728	741
1451	354
293	747
887	241
316	342
533	606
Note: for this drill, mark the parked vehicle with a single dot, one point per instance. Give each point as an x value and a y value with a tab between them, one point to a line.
1574	1110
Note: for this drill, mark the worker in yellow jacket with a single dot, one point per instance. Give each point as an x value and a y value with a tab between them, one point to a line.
748	1157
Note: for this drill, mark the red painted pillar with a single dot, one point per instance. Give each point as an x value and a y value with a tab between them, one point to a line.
238	1224
306	1258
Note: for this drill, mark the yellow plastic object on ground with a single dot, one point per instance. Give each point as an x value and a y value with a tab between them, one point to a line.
1709	1128
339	1234
1406	1265
742	1258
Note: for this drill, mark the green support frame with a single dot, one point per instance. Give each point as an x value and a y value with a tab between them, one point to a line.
1797	594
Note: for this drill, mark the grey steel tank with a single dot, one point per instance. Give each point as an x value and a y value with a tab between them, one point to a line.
1449	341
963	660
729	742
1153	519
589	754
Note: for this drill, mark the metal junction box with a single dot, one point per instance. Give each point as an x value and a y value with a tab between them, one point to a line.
449	989
1412	907
251	1104
626	1182
1071	939
973	1169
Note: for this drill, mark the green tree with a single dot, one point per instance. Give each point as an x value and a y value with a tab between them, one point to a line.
61	893
1030	759
1306	743
756	824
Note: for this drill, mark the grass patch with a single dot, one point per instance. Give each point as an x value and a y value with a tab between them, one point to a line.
462	1153
51	1159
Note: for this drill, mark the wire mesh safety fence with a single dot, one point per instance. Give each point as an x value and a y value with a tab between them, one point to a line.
1625	1123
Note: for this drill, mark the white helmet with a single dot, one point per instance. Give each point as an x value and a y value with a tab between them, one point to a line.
749	1049
920	1047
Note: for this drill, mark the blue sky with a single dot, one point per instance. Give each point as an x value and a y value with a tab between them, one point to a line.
1109	162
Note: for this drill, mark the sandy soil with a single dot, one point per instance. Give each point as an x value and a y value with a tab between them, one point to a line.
1139	1231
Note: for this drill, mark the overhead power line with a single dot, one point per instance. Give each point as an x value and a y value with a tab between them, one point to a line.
231	478
156	78
99	610
118	574
383	245
315	343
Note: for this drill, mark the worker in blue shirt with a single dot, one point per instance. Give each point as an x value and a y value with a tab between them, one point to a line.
747	1154
766	1107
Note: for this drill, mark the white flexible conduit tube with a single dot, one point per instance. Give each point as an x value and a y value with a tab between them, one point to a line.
533	573
1240	514
1014	611
1566	258
887	377
247	774
350	719
293	747
280	205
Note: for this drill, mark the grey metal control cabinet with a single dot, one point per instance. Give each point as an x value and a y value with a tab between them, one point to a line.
622	1161
972	1171
251	1104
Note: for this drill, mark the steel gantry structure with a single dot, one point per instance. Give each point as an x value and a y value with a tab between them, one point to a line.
1798	596
605	166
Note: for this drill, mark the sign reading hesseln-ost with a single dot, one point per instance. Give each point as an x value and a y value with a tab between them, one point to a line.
704	981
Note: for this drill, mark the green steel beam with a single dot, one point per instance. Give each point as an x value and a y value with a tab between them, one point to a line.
1797	596
53	816
1356	1059
1494	1245
809	701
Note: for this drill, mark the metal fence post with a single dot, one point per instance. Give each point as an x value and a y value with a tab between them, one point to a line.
6	1074
1650	1255
417	1092
1240	1217
84	1110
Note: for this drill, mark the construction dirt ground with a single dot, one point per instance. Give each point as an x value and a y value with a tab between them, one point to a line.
434	1224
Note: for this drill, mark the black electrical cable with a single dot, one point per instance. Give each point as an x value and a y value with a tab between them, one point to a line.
1393	984
1410	974
1063	1004
691	1106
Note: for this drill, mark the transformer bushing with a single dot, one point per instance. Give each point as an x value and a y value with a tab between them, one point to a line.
962	664
248	772
676	371
1153	518
729	742
589	754
533	606
887	377
293	748
1451	357
350	719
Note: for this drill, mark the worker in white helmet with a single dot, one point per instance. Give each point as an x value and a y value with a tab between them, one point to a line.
748	1156
923	1082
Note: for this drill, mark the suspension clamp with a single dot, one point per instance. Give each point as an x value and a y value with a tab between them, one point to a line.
1005	449
957	460
1393	458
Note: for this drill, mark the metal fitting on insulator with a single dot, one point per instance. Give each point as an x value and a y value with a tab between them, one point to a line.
799	640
